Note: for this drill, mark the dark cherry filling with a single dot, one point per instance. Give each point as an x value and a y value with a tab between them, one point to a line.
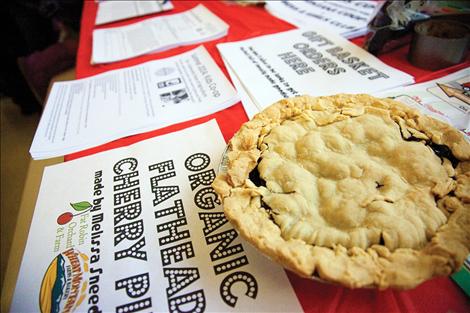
382	241
256	178
442	151
259	182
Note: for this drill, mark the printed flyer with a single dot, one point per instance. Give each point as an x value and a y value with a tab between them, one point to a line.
140	229
112	11
446	98
347	18
156	34
303	61
86	112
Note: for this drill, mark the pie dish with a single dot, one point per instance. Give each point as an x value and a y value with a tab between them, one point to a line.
351	189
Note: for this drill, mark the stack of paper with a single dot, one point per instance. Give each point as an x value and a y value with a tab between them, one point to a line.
347	18
111	11
268	68
446	99
156	34
88	112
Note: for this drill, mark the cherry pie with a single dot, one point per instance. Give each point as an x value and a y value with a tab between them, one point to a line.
351	189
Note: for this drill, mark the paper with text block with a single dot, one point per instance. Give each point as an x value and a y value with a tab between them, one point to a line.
347	18
156	34
112	11
301	61
88	112
140	228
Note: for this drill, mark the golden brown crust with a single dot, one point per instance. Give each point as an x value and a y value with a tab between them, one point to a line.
353	190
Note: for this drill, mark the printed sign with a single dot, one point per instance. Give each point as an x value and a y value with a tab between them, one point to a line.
140	229
304	61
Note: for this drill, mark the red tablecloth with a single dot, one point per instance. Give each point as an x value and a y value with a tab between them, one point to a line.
437	295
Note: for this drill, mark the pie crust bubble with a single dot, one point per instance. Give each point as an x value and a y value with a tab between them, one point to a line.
350	189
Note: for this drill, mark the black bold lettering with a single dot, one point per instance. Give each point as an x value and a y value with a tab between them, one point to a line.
135	306
154	180
131	162
203	178
176	253
130	231
128	212
222	250
179	278
197	298
197	162
162	167
173	234
126	181
246	279
206	198
212	221
126	196
135	286
177	209
230	265
163	193
133	251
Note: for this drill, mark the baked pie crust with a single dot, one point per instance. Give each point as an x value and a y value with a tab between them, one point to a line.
351	189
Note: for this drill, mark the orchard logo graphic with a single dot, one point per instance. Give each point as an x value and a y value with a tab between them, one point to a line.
79	207
65	282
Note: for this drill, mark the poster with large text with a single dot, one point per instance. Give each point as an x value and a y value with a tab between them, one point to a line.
316	62
140	229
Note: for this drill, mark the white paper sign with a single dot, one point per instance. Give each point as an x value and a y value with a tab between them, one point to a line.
111	11
140	229
446	98
87	112
303	61
156	34
347	18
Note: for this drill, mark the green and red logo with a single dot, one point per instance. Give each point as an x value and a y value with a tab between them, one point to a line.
79	208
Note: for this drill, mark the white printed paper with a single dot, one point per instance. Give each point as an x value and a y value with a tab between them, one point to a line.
156	34
302	61
140	229
347	18
250	107
88	112
446	99
111	11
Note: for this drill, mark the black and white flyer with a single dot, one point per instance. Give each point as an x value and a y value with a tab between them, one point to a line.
347	18
87	112
156	34
269	68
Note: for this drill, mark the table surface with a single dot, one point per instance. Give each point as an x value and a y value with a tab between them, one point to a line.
437	295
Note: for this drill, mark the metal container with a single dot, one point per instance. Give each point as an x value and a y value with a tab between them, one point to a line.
438	44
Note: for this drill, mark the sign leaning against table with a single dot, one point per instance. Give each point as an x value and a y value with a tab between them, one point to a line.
139	228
